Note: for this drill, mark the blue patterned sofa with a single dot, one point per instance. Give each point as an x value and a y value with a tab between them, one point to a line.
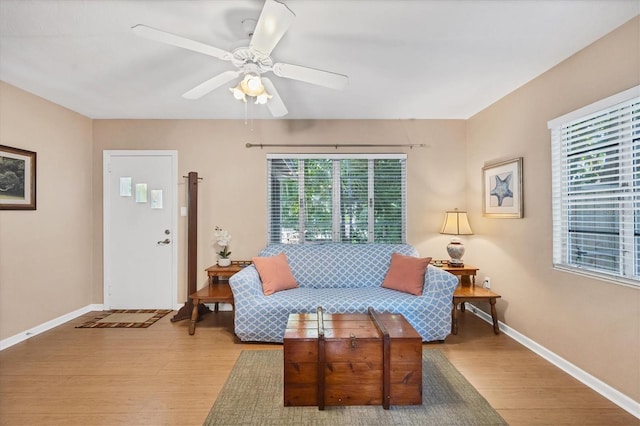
342	278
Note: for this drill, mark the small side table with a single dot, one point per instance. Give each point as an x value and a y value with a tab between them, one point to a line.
468	292
466	273
471	294
216	272
216	291
209	294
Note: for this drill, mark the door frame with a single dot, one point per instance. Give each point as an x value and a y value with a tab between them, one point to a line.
107	155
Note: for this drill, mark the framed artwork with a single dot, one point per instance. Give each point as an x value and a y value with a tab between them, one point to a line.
502	190
17	179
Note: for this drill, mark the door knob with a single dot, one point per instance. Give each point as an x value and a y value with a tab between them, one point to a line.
167	241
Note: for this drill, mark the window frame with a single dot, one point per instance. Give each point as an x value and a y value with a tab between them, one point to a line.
336	192
627	275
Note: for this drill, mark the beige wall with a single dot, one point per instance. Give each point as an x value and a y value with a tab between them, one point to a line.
45	255
594	324
232	193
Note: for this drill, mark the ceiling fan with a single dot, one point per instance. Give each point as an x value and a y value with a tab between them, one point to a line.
252	61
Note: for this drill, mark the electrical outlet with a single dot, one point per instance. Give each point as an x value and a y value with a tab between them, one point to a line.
487	282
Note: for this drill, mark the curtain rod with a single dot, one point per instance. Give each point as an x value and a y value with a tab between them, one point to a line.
334	145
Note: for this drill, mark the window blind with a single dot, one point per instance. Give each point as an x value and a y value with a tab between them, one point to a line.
353	198
596	188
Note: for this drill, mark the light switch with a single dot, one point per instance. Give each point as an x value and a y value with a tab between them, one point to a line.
183	211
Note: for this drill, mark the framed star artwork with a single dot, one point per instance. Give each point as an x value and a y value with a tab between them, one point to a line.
502	190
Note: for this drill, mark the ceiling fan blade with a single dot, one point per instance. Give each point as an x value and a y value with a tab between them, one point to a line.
275	104
311	75
211	84
185	43
274	21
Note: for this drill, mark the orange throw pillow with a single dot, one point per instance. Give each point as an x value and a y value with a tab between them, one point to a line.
406	273
275	273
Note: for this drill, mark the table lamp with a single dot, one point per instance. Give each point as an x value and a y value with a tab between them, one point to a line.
456	223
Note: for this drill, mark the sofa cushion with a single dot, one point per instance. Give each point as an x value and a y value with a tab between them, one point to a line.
275	273
406	273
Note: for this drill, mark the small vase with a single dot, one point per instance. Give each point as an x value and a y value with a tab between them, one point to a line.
224	262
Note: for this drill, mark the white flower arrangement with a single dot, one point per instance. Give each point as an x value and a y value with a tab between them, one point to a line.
222	239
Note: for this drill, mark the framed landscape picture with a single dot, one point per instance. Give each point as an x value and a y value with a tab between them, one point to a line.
17	179
502	190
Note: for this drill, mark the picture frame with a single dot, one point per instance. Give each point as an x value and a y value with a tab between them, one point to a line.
17	179
502	189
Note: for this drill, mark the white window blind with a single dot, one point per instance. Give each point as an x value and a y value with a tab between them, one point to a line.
348	198
596	188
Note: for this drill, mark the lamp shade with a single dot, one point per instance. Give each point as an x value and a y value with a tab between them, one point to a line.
456	223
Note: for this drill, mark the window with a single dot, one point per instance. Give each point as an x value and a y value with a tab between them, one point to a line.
596	188
348	198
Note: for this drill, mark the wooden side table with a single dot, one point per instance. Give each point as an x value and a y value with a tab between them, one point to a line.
472	294
216	272
211	293
468	292
216	291
466	273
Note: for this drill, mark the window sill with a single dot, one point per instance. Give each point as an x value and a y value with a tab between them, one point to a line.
625	282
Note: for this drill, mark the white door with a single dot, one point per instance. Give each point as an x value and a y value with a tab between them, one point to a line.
140	216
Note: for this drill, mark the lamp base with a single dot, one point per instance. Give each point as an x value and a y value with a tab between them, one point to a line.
455	249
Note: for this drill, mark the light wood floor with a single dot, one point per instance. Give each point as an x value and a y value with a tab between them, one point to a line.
163	376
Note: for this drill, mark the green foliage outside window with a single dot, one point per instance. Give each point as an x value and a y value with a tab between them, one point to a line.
368	206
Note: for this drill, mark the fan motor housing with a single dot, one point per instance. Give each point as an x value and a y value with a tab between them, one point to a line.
244	59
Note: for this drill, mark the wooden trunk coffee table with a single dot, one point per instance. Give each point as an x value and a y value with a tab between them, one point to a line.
351	359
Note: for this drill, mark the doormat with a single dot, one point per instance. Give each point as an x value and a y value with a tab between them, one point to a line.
126	318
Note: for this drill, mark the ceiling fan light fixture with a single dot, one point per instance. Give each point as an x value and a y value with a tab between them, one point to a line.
253	82
262	98
252	85
238	93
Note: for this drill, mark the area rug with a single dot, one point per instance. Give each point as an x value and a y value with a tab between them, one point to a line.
126	318
253	395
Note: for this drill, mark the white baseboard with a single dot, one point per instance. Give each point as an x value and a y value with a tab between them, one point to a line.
613	395
20	337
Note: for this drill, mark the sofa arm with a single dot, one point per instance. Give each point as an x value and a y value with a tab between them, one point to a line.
246	283
437	280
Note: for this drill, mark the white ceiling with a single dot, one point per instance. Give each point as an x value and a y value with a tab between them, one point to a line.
404	59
